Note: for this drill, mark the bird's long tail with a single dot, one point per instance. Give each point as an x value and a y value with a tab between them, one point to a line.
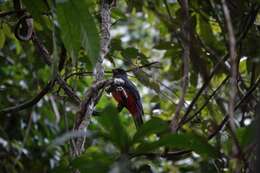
138	120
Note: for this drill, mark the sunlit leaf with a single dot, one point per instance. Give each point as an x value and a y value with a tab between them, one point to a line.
116	13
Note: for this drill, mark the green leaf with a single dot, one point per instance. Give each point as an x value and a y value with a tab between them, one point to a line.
93	160
78	28
116	13
153	126
113	128
2	38
187	141
144	79
130	53
116	44
36	8
206	33
246	135
163	45
63	167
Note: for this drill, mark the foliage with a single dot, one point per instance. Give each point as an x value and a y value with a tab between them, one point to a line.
141	32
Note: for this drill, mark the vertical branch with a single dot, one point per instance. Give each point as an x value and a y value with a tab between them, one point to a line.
233	82
186	55
105	38
233	62
92	97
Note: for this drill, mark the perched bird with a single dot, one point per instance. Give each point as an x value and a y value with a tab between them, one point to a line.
127	95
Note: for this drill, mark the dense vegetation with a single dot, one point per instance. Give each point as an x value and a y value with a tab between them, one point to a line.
195	63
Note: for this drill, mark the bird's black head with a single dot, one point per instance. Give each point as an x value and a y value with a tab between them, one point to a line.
119	72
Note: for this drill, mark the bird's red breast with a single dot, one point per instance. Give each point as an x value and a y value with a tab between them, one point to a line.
127	95
128	100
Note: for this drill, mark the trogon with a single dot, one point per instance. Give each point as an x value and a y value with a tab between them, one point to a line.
127	95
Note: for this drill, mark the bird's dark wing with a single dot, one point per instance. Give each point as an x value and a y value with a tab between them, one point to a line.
132	88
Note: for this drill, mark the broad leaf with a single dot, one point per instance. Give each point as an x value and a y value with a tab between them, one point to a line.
78	28
246	135
116	13
113	129
130	53
187	141
93	160
36	7
153	126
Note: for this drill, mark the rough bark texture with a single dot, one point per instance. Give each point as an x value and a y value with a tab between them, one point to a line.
94	92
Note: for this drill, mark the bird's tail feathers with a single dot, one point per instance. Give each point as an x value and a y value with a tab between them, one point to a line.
138	120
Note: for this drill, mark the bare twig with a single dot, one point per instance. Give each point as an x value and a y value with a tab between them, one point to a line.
68	90
215	69
233	81
29	125
80	73
205	103
169	155
90	73
249	92
168	10
45	55
204	86
186	56
41	49
143	66
55	109
29	103
10	13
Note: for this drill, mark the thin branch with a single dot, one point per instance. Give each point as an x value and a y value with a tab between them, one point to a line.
45	55
249	92
26	135
204	86
143	66
68	90
233	81
90	73
168	10
10	13
205	103
169	155
186	56
215	69
80	73
41	49
29	103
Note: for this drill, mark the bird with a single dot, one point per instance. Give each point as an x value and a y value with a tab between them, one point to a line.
127	95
